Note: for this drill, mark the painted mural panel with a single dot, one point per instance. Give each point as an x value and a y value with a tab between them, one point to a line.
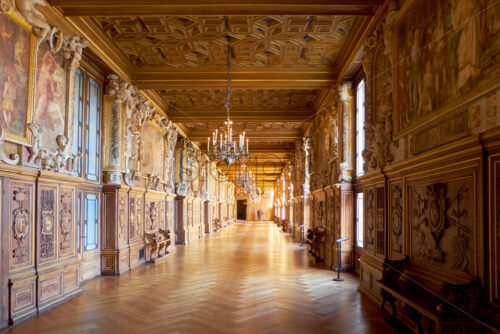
14	74
50	95
446	48
152	154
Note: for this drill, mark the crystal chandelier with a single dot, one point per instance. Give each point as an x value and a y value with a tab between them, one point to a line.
245	179
224	148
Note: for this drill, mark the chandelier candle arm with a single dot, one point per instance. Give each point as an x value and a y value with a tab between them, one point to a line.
229	149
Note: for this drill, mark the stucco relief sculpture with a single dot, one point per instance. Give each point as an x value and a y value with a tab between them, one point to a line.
36	143
11	159
28	9
170	157
377	64
61	160
307	159
72	49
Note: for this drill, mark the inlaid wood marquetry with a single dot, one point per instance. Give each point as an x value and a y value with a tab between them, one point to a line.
248	278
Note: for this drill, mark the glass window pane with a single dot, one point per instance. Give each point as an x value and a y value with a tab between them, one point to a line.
91	222
360	127
359	219
78	119
92	127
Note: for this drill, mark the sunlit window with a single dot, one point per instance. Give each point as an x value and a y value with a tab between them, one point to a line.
360	127
359	219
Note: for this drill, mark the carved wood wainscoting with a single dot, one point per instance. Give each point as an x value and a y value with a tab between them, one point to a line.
430	208
332	209
492	145
374	220
39	235
136	221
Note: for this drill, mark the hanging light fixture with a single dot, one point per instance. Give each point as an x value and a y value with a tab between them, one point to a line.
224	148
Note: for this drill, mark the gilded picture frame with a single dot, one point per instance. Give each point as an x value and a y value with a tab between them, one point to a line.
25	139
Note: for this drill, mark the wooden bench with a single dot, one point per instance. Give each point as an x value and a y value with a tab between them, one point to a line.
283	225
217	224
424	310
315	238
156	244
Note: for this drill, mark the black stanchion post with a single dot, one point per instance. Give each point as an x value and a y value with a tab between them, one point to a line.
339	259
302	234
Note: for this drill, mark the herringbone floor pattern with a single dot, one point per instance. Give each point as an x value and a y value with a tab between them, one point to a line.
248	278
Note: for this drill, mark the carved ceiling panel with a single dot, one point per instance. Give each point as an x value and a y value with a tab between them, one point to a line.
247	126
241	99
179	42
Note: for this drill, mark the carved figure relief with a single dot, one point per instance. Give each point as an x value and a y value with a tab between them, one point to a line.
370	218
132	218
122	217
65	219
397	218
138	217
47	225
152	216
380	221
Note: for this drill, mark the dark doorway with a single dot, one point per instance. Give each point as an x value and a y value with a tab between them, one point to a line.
242	209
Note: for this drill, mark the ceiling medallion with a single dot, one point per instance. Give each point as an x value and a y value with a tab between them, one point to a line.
224	148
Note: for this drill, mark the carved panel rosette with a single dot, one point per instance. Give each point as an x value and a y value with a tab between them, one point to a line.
66	222
47	224
443	218
21	242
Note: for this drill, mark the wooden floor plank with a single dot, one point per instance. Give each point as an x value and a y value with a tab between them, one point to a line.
247	278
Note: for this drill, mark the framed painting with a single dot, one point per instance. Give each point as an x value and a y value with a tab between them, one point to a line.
445	54
18	46
50	95
153	150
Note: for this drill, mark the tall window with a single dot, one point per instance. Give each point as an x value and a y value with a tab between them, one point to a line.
359	219
87	141
87	125
91	219
360	127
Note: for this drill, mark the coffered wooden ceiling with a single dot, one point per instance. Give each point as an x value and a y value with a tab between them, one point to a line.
286	55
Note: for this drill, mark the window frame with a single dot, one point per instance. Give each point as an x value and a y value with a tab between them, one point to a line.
88	72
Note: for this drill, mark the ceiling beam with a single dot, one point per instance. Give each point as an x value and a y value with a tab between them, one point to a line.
215	7
240	79
269	116
251	135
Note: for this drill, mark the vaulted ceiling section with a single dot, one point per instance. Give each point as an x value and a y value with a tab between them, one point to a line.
286	55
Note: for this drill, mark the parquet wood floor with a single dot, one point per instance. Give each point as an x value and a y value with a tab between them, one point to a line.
247	278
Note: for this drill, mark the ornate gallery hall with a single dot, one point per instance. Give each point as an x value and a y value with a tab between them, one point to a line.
250	166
